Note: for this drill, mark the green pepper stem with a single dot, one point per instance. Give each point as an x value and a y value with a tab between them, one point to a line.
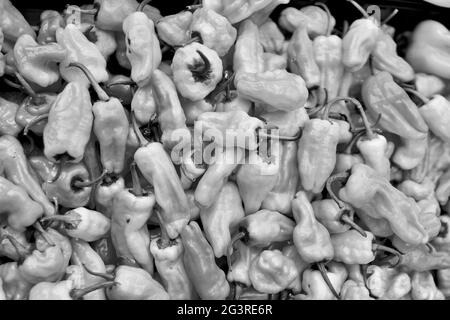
142	5
70	220
137	189
102	95
59	168
36	99
329	185
238	236
329	105
324	274
142	141
360	9
379	247
349	221
106	276
325	8
77	294
389	17
416	93
90	183
34	121
369	133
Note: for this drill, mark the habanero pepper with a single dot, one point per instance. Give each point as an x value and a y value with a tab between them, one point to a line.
105	193
387	283
236	10
174	29
8	118
238	271
12	22
51	21
15	286
352	290
423	287
271	37
248	52
143	104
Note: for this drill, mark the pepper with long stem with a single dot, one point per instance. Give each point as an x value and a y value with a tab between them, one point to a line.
324	274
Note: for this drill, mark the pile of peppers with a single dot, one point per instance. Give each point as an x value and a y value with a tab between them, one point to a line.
217	153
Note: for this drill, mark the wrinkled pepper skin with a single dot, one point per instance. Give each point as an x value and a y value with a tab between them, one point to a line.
14	166
328	213
410	152
272	272
143	104
7	249
375	196
12	22
241	261
24	117
169	264
38	63
111	129
209	281
87	225
374	150
80	49
424	288
399	113
174	29
129	227
15	203
421	259
352	290
69	124
157	168
271	37
236	10
317	153
8	123
143	49
14	284
51	21
436	114
280	197
351	247
221	218
315	18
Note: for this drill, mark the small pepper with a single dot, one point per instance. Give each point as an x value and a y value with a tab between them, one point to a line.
51	21
143	48
221	218
209	281
80	49
436	113
174	29
12	22
410	153
197	70
387	283
428	85
14	166
143	105
261	16
169	264
423	287
272	272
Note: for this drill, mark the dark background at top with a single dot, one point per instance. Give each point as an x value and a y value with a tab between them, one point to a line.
411	11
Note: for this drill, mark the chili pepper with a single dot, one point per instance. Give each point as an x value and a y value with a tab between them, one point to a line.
427	51
196	71
279	89
435	114
105	193
80	49
131	210
110	127
69	188
208	280
316	288
12	22
301	57
346	159
387	283
135	284
174	29
424	288
21	210
238	271
38	63
272	272
291	252
376	197
14	284
443	281
214	30
221	218
271	37
104	40
248	51
418	191
279	198
143	49
51	20
84	224
428	85
121	51
429	216
352	290
69	124
315	18
385	58
157	168
143	104
169	263
410	153
170	113
220	168
421	259
336	219
15	168
359	41
8	124
237	10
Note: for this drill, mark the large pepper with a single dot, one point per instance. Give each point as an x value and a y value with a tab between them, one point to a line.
12	22
197	70
174	29
385	58
38	63
258	174
14	166
221	218
214	30
81	50
51	21
69	124
22	212
400	115
428	51
8	123
169	264
376	197
209	281
248	52
236	10
131	210
272	272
